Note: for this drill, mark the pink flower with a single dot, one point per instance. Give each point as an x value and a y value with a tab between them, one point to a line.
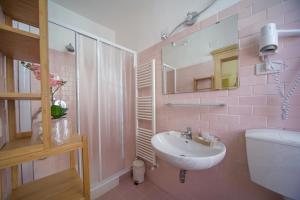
35	66
54	82
53	79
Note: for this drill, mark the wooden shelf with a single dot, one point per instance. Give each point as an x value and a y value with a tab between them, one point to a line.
19	96
63	185
26	11
19	45
21	150
18	148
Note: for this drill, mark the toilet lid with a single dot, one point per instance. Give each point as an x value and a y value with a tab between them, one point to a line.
285	137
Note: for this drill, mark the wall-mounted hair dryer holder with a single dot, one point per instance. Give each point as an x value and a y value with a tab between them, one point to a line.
268	45
269	34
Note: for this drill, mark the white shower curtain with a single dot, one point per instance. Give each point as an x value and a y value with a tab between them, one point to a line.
116	100
88	117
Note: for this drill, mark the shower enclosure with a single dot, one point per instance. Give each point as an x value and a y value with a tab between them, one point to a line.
100	95
105	104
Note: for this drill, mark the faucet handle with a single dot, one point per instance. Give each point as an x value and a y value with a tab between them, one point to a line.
189	129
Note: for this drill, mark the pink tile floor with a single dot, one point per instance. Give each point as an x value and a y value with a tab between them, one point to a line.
126	190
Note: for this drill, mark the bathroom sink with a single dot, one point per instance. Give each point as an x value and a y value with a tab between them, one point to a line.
186	154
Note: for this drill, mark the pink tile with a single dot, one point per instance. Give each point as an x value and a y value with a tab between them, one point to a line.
287	77
249	56
290	41
245	12
274	100
240	110
246	70
295	100
230	100
225	119
266	110
241	91
291	5
270	89
292	16
275	11
218	126
203	126
259	5
253	80
232	10
245	3
253	122
260	16
277	122
219	110
250	41
218	93
255	100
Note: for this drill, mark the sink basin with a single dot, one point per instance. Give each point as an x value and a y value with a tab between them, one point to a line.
186	154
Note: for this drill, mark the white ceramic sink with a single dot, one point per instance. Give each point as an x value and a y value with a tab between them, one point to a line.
186	154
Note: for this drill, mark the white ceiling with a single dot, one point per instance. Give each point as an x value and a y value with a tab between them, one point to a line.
137	23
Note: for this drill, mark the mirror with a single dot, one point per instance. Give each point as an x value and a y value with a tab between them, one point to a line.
205	60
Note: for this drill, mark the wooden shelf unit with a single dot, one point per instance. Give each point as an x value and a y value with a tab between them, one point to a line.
18	148
64	185
25	46
26	11
19	45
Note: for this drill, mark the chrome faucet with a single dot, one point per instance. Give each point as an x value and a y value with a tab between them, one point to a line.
188	133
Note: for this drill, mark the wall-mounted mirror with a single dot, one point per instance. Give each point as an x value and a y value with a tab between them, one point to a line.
205	60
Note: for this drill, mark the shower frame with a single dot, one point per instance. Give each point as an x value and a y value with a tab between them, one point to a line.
98	40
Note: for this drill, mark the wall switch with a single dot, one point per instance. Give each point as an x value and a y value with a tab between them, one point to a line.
261	69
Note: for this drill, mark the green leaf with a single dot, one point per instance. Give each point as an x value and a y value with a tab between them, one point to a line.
58	111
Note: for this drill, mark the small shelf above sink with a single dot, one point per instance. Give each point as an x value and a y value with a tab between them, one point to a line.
196	104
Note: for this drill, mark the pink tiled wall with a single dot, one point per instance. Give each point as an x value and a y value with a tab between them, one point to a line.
255	104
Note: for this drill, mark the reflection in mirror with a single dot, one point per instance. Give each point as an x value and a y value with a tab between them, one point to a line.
205	60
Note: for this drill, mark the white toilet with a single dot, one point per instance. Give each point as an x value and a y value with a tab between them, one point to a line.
274	160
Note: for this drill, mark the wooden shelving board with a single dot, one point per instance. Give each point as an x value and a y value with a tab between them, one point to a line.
19	148
19	96
20	45
26	11
63	185
22	150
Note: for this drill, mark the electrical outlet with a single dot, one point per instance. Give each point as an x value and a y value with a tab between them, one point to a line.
260	69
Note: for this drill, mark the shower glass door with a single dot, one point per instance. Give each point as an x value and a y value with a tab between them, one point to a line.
111	110
88	110
117	110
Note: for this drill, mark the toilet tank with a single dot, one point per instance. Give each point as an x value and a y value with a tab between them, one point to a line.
274	160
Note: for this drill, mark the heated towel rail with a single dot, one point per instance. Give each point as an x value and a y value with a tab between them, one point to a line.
145	111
